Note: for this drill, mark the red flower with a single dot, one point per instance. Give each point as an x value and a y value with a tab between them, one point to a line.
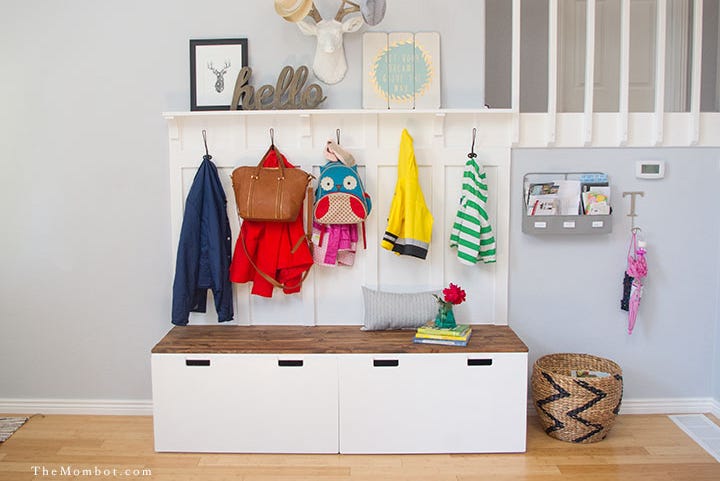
454	294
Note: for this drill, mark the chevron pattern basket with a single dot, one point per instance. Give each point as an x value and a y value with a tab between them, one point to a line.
576	409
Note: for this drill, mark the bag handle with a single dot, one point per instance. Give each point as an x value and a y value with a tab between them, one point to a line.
278	156
308	222
265	276
306	237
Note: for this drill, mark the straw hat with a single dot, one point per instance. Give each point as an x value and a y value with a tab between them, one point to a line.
293	10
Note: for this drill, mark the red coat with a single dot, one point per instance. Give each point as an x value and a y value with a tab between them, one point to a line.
269	245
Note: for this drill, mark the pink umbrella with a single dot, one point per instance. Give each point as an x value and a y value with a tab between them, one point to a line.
637	269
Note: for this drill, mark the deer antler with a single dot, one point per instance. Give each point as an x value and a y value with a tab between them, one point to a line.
315	14
343	11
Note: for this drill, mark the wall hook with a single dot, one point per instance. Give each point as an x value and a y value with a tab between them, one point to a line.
337	134
204	136
632	213
272	137
472	153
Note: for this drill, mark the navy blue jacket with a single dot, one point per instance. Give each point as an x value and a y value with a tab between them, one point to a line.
204	252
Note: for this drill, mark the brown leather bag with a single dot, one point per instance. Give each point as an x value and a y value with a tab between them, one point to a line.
273	194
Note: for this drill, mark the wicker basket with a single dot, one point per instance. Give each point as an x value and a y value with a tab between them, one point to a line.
576	409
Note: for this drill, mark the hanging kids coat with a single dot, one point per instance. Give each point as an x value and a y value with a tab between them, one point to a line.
410	222
471	232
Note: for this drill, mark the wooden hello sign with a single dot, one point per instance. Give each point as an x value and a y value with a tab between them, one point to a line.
288	93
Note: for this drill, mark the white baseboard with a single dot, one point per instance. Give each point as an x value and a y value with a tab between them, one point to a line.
668	406
662	406
145	408
716	406
77	406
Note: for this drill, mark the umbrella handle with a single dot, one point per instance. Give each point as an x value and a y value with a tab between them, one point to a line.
632	248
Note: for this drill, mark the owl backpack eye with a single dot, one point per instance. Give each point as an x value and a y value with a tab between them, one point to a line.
349	182
326	183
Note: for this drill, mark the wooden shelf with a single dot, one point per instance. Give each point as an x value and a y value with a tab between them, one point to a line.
312	112
508	127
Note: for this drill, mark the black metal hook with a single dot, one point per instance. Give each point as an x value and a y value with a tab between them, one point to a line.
472	153
204	136
337	134
272	136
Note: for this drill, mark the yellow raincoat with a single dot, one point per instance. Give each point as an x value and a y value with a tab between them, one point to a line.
410	222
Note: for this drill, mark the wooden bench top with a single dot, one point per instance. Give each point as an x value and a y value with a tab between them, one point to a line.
233	339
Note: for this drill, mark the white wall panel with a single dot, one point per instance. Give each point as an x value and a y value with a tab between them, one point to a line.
404	272
333	295
479	281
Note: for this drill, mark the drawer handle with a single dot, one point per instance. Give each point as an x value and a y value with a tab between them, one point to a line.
197	362
290	363
479	362
386	362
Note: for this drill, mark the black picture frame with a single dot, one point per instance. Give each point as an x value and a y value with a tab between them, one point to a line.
214	66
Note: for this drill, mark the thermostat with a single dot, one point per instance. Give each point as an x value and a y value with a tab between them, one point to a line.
650	169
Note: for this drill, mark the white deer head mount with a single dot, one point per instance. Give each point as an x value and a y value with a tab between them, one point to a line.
329	64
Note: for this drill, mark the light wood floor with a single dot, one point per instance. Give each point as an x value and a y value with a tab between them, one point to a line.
639	448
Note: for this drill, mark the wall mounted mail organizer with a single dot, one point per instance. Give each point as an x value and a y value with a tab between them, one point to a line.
566	203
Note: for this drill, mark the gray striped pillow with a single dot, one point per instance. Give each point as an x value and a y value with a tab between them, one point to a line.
396	310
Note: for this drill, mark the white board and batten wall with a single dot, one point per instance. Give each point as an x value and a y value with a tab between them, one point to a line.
333	296
347	410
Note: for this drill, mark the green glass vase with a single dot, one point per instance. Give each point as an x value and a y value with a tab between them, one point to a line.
445	319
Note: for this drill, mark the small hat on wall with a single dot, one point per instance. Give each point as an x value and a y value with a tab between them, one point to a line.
293	10
372	11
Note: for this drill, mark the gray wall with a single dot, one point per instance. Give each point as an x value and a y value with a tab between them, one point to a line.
716	363
533	55
711	22
85	255
565	291
84	188
498	53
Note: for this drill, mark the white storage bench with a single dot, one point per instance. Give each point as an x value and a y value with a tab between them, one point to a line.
330	389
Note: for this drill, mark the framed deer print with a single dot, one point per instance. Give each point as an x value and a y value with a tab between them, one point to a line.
214	66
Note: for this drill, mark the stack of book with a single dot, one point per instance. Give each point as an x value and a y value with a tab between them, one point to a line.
456	336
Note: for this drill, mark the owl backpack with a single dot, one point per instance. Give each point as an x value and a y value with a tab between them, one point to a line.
340	196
